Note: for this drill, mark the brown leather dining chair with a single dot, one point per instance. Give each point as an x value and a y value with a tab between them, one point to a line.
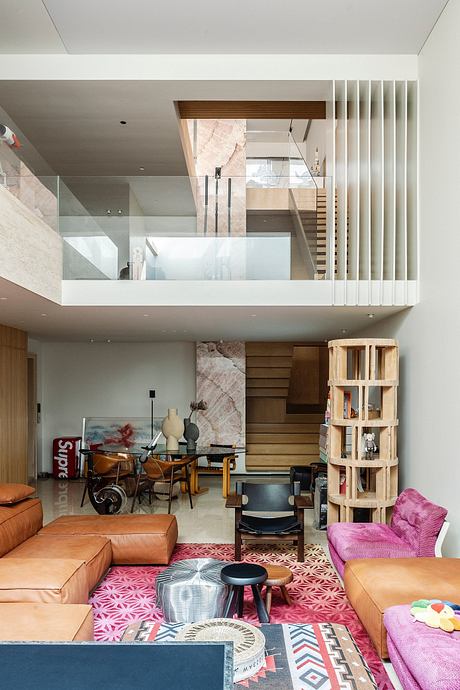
111	468
168	471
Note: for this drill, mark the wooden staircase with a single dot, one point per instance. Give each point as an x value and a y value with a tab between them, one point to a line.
275	438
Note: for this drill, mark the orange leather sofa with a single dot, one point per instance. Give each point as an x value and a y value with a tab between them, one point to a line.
374	584
60	564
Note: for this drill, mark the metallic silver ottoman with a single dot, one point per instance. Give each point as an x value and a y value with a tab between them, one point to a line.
191	590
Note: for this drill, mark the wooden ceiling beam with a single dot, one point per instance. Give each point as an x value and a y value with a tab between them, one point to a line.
252	110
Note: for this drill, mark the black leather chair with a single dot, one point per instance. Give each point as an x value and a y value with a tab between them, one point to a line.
277	498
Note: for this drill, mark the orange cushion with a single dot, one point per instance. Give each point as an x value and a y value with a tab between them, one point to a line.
13	493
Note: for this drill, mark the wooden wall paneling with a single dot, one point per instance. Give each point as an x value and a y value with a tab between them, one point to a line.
412	180
13	405
304	376
252	110
277	438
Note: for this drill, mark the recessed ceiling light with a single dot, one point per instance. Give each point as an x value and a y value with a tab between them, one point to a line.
108	340
252	315
3	298
146	314
109	211
123	122
371	316
141	169
344	330
43	314
91	340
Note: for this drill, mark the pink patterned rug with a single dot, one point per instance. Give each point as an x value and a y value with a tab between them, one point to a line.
127	594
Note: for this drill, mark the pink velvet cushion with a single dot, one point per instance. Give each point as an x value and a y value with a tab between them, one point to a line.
367	540
431	657
417	521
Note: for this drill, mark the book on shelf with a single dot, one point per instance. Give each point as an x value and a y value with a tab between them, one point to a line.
347	405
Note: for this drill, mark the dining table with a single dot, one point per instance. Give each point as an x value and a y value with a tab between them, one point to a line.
138	451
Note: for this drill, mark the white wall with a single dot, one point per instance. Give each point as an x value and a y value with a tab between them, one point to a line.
429	333
79	380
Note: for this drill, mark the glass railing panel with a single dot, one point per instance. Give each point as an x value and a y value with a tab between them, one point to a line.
207	228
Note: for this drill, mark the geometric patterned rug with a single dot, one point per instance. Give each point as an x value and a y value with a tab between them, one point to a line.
320	656
127	594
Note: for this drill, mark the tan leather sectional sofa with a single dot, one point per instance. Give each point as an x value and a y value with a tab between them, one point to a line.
373	585
47	573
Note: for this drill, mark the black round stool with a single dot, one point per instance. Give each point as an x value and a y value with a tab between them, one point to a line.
238	576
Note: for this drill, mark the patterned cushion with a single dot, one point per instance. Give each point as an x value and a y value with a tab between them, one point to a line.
367	540
417	521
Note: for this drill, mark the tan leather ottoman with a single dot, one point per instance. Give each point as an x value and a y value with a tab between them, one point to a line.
96	552
43	580
46	622
374	584
136	539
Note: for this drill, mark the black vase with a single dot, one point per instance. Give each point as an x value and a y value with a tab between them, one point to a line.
191	433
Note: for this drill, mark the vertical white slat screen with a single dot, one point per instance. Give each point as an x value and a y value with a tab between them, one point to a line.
353	181
375	177
412	180
330	181
401	180
389	180
364	249
341	177
377	167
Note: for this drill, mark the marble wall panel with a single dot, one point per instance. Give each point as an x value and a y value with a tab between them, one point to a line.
221	382
221	143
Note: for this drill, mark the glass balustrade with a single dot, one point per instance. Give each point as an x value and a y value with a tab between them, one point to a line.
260	227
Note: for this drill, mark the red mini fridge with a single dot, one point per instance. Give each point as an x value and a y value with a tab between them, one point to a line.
66	457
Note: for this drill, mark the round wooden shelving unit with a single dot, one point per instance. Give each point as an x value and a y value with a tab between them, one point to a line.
363	376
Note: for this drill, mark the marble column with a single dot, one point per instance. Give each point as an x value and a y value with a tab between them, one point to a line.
221	382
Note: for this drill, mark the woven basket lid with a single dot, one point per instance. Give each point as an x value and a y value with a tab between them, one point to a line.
248	642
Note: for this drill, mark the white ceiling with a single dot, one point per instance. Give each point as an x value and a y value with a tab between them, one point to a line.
75	125
205	26
23	309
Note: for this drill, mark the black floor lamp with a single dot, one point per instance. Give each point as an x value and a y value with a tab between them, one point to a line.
152	401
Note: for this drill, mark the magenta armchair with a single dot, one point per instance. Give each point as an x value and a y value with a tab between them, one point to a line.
416	529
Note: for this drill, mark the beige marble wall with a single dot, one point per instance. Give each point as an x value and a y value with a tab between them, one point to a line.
221	382
31	251
31	190
221	143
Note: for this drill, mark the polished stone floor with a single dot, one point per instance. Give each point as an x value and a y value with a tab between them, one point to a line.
208	522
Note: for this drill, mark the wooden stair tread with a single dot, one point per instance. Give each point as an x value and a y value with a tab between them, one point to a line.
281	438
282	428
282	448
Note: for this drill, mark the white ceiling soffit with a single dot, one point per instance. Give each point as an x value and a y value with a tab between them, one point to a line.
46	320
75	125
204	26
